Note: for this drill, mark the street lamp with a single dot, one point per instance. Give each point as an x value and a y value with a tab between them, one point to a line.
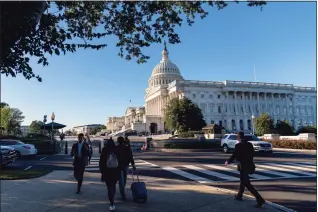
52	118
253	117
44	120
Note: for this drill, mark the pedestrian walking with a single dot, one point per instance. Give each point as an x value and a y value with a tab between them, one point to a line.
90	148
110	171
80	154
244	153
125	159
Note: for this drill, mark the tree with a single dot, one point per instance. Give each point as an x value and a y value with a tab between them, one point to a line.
3	104
39	29
263	124
94	131
283	128
308	129
35	127
183	115
11	119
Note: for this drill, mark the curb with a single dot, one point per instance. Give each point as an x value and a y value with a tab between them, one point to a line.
271	204
295	150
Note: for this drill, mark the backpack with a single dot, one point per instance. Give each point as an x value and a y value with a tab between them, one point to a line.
112	161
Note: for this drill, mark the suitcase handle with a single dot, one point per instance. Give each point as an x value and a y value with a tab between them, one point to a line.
132	175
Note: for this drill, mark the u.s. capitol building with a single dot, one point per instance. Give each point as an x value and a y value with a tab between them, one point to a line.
229	103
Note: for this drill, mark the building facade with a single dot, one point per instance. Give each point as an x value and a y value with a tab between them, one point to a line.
231	104
114	124
24	129
85	128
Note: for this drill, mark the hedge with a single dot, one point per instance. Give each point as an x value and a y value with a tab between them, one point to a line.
293	144
193	145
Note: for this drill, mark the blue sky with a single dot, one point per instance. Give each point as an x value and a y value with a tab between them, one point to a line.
88	86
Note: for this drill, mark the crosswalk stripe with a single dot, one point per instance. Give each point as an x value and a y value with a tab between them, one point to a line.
273	166
187	175
280	174
212	173
256	176
293	167
303	165
309	163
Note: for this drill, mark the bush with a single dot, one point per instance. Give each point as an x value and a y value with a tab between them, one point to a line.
193	145
307	130
293	144
186	135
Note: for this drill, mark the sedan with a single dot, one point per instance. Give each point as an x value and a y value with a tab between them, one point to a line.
21	148
8	155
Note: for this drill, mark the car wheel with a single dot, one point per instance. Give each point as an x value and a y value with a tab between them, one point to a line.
225	148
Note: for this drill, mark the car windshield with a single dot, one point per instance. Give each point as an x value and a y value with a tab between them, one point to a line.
251	138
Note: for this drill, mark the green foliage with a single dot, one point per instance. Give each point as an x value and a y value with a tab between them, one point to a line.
65	26
3	104
11	119
289	144
183	115
193	145
283	128
310	129
97	129
263	124
35	126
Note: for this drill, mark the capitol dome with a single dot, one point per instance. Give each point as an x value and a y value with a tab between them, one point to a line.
165	72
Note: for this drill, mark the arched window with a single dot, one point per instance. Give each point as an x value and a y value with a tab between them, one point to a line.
241	125
249	124
233	124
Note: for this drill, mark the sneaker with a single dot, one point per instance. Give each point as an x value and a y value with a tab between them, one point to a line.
112	208
260	204
238	198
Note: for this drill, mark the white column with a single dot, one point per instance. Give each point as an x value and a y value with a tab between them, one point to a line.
244	104
287	107
258	105
252	103
235	103
266	103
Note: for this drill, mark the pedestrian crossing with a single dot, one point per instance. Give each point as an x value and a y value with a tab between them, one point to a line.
209	173
214	173
140	164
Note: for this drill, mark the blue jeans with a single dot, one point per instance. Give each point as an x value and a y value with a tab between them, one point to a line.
123	180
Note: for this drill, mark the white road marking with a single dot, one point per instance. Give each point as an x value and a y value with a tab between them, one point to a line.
27	168
256	176
212	173
187	175
274	167
293	167
42	158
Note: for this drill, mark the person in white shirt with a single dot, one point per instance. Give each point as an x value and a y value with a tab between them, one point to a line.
80	154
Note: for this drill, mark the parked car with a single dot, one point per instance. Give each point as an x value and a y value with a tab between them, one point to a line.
8	155
229	141
21	148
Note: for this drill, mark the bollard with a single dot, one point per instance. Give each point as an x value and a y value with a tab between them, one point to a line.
100	147
66	148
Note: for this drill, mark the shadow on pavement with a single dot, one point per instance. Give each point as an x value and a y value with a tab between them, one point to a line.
56	192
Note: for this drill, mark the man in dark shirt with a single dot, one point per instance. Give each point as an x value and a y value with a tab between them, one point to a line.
244	153
80	154
126	158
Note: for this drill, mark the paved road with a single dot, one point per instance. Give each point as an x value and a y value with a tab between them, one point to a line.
288	179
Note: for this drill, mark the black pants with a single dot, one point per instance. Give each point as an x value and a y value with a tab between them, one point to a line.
245	182
111	187
79	174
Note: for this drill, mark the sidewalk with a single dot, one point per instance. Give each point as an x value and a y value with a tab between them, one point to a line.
56	192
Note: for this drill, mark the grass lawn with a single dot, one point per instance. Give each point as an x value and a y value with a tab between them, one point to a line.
21	174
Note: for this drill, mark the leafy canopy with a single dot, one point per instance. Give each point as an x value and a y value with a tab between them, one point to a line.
40	29
35	126
11	119
183	115
263	124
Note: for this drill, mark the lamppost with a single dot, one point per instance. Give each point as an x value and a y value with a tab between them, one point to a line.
52	118
44	120
253	128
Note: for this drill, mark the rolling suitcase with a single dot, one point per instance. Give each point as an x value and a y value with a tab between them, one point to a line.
138	189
